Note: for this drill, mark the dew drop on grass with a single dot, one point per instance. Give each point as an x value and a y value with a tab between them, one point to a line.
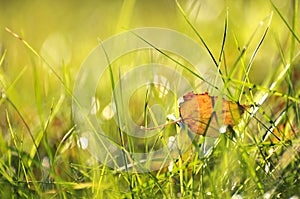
170	167
223	129
95	105
83	143
109	111
171	142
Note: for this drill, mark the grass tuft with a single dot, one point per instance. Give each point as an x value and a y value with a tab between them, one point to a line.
42	150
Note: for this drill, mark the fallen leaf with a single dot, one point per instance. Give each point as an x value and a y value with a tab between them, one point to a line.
206	115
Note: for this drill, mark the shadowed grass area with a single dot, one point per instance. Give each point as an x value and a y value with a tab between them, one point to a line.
253	49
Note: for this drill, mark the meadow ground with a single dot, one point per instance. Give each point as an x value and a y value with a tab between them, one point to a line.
80	85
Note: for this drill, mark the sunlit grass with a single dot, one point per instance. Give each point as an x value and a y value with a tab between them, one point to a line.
43	152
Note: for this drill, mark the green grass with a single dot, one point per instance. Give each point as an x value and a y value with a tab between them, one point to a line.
257	65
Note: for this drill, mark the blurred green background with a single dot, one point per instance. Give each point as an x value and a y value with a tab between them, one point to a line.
64	33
